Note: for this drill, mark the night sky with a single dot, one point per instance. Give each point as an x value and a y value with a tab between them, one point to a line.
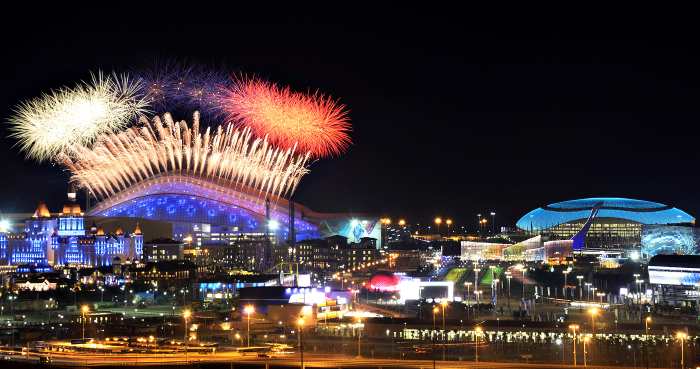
448	120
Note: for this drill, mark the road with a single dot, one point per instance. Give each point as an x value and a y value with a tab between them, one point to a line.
284	360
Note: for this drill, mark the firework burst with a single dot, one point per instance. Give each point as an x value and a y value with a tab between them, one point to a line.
184	86
312	123
54	122
162	146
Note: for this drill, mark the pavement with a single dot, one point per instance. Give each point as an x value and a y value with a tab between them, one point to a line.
284	360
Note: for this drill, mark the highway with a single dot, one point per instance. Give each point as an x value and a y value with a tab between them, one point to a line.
276	360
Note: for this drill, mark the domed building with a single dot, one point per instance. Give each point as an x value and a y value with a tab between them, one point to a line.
618	221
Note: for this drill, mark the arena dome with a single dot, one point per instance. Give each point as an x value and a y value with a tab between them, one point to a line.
615	209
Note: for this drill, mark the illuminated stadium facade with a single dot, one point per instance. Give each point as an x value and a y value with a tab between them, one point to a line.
213	210
619	222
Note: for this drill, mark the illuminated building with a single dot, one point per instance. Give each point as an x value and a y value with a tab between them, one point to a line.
227	224
335	253
675	279
63	240
618	221
163	249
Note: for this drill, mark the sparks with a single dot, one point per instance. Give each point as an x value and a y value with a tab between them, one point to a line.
310	123
162	146
49	125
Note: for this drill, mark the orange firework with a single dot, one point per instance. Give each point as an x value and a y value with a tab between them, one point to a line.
314	124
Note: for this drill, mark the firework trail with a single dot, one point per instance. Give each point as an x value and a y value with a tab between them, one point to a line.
48	125
162	146
314	124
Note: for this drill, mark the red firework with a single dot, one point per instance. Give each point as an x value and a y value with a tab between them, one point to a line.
314	123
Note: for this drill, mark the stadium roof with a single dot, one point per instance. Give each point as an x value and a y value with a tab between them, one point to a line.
637	211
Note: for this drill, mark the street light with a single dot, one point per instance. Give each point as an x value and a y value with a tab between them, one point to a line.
566	274
682	336
508	278
468	286
438	221
580	288
493	222
186	315
585	352
476	278
84	310
593	312
449	223
647	321
435	311
249	310
573	328
477	333
443	304
300	324
402	222
359	337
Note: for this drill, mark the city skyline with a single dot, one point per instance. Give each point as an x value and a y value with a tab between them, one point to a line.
512	122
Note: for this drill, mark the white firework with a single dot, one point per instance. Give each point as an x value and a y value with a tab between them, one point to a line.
54	122
117	161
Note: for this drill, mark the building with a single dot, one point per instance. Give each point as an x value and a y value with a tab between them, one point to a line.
618	222
62	239
201	208
675	279
163	249
332	254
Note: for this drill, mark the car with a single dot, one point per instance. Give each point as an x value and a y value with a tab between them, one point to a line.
263	355
44	360
6	357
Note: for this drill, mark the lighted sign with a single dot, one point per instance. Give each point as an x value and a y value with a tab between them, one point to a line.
674	276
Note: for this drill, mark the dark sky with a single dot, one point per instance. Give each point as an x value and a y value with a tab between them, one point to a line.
448	119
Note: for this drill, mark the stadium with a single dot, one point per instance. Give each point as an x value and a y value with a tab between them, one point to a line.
619	222
196	205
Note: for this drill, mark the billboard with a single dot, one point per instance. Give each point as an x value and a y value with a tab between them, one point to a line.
353	228
674	276
668	240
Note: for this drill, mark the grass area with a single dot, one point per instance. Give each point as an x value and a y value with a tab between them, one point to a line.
456	275
487	279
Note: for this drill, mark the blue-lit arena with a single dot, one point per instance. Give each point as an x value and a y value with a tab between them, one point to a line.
189	202
618	224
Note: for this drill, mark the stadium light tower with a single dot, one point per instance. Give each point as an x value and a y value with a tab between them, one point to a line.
493	222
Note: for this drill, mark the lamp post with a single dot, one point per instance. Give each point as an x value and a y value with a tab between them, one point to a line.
477	333
84	310
468	285
449	223
438	221
359	337
588	291
566	274
300	324
593	312
573	328
580	288
248	310
682	336
476	278
186	315
433	335
480	223
647	321
585	352
493	222
443	304
508	278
